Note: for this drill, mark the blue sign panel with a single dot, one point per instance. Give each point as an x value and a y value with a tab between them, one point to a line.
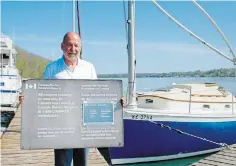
94	113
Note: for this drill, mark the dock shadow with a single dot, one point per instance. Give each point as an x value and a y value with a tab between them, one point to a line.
105	153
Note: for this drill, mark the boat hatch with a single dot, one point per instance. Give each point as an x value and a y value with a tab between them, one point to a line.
206	106
149	101
227	106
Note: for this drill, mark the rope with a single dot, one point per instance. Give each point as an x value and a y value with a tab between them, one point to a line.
191	135
78	15
217	28
192	34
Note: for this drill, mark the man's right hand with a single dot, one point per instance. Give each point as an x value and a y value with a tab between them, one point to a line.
21	99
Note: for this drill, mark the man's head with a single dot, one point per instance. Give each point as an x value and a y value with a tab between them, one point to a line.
71	46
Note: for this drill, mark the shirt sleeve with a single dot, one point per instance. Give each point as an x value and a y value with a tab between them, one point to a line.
46	73
93	72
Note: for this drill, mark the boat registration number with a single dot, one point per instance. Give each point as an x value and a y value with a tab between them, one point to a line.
142	116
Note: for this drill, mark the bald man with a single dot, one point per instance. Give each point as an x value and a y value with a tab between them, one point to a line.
70	66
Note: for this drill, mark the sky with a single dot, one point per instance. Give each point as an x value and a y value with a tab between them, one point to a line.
161	45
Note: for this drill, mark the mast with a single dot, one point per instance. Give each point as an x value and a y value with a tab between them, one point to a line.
73	15
131	102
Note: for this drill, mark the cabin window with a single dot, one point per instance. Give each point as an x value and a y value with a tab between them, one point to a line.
184	91
206	106
227	106
3	44
4	56
149	101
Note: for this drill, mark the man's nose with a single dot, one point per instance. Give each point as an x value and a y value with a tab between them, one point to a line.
73	48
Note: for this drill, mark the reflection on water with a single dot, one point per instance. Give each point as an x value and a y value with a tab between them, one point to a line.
6	117
176	162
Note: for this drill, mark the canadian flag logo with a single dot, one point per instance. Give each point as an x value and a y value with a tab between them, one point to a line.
30	86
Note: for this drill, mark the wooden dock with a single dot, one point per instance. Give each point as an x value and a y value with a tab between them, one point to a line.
226	157
11	154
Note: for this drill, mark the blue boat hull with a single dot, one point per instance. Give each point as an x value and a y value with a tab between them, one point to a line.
144	139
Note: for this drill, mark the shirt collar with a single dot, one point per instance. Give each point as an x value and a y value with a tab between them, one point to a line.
62	62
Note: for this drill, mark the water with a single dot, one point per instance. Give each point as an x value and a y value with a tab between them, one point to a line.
6	117
145	84
179	162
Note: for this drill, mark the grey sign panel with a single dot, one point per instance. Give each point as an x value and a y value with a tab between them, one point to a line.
59	114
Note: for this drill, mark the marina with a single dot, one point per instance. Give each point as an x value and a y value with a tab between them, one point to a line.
177	120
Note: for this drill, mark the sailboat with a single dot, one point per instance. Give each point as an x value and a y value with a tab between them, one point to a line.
183	120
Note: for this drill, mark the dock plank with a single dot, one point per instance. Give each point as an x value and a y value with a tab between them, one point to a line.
225	157
11	154
221	160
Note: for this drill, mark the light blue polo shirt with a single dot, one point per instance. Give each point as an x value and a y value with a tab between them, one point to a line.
59	70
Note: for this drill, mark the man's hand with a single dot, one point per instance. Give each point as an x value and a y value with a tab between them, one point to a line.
21	99
123	101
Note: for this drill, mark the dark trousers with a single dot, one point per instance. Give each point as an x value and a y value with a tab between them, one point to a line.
64	157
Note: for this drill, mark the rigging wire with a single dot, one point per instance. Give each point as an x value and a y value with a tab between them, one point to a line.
192	34
79	29
218	29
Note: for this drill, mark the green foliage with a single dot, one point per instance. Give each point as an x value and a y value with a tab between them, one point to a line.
231	72
30	65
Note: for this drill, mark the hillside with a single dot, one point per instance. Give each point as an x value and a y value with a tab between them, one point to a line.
224	72
29	64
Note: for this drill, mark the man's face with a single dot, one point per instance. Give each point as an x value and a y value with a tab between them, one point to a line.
71	48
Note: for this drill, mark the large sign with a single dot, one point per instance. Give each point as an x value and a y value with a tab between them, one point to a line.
59	114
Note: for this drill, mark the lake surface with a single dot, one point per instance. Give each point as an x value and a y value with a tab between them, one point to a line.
145	84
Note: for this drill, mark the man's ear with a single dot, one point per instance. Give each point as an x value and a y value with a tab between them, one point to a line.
62	46
81	53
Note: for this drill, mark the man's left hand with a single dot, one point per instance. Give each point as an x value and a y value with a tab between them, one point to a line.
123	101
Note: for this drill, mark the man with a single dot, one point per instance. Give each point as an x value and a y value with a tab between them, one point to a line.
70	66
